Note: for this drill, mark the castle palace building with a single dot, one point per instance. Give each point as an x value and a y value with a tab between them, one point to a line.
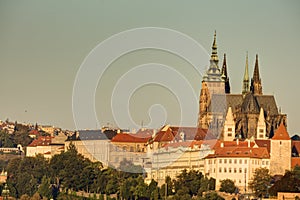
250	114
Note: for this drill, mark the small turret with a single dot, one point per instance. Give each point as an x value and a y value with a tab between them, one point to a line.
256	87
246	78
225	75
229	126
261	126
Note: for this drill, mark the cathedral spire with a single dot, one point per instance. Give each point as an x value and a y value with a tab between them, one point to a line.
256	70
246	78
214	54
225	75
256	87
214	73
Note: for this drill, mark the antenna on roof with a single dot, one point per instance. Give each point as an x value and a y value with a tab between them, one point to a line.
279	110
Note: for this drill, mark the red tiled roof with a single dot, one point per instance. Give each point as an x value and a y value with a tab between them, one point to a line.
34	132
281	133
295	162
173	134
41	141
239	143
234	152
264	143
131	138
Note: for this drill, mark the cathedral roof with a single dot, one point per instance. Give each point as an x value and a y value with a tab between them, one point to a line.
221	102
268	103
281	133
250	104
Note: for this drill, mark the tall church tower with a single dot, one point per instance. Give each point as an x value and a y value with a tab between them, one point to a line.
212	83
256	87
245	89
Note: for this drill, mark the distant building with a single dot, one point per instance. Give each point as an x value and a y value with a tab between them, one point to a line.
236	161
132	147
92	144
43	145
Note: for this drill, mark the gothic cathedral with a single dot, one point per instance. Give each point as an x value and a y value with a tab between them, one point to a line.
250	114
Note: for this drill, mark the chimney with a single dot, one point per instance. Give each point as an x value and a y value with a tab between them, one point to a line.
154	133
237	142
222	145
249	144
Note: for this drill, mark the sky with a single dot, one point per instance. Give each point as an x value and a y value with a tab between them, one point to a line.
45	44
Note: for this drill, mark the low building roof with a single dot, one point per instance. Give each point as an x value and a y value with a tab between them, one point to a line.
130	138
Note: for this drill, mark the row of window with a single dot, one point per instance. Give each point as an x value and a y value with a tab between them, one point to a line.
232	170
236	161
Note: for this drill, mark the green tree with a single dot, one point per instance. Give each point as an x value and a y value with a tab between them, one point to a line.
6	140
141	188
213	196
261	181
290	182
45	188
228	186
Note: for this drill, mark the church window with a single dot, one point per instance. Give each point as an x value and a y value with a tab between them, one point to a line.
229	129
240	170
261	136
235	161
229	170
280	142
229	134
220	169
225	161
229	161
261	130
245	161
225	170
234	170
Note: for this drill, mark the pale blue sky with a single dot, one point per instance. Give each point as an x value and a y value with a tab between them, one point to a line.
43	43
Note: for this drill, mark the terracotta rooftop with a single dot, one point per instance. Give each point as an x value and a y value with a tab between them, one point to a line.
281	133
173	133
295	162
238	152
41	141
130	138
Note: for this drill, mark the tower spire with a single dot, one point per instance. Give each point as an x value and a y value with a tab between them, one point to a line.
214	73
256	87
214	54
246	78
225	75
256	70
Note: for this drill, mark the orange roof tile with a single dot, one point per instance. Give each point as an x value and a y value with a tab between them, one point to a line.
237	152
130	138
41	141
295	162
173	134
281	133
